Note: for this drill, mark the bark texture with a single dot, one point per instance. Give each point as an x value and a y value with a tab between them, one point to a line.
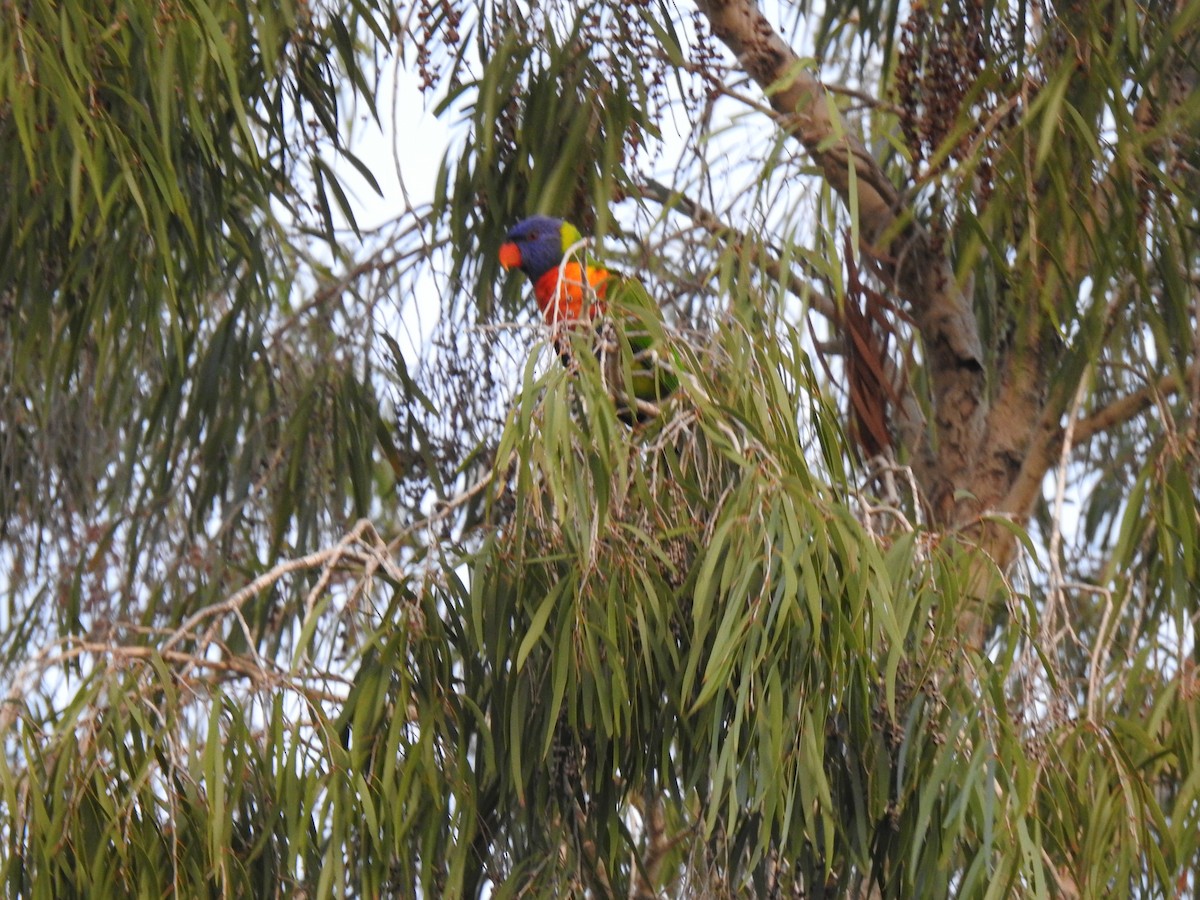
1000	420
947	459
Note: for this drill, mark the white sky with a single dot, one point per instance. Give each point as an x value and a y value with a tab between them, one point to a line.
417	148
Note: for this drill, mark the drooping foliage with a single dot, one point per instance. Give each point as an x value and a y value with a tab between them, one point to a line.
325	577
157	351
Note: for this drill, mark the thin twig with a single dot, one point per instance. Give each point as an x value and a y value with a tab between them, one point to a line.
760	256
1056	597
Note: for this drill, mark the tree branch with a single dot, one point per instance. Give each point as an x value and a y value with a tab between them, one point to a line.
1122	410
1028	484
802	101
922	276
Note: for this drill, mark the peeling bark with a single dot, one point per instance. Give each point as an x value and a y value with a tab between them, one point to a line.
923	278
993	435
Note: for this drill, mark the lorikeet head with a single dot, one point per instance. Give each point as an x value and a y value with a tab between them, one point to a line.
537	244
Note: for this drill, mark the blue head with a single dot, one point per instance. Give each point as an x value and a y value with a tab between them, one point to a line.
536	245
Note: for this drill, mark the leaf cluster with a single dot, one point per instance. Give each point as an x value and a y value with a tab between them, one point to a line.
698	656
158	380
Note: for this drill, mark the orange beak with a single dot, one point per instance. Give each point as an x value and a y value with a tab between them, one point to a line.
510	255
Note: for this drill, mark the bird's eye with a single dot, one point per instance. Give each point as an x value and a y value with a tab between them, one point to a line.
533	235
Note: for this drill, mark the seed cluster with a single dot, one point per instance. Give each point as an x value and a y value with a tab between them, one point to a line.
945	50
437	23
634	56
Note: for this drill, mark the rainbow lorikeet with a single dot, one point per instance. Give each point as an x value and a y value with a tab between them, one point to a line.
572	292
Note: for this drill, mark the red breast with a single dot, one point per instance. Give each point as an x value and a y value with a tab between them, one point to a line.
560	293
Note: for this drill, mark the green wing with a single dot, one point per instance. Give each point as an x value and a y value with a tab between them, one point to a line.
635	354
